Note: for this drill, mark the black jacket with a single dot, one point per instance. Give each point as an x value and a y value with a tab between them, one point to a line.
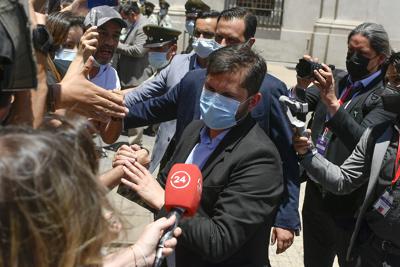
347	125
242	189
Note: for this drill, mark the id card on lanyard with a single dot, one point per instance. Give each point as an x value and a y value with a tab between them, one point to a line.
325	137
385	201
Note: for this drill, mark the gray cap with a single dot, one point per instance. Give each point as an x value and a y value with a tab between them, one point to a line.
102	14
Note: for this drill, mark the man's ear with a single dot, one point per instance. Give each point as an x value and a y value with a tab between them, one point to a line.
251	41
382	59
255	99
172	52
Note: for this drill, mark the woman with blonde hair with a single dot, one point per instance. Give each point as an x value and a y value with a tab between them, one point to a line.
52	204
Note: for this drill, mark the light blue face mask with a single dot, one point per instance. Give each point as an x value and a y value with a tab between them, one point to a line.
204	47
65	54
158	59
163	12
189	25
218	111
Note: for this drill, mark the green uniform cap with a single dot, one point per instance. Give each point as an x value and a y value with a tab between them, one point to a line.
196	6
159	36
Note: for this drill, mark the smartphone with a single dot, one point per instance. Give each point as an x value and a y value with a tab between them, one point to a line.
93	17
94	3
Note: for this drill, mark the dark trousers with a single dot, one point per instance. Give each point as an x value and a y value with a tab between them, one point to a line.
323	238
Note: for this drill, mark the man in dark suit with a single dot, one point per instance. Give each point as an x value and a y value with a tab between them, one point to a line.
343	108
241	168
235	26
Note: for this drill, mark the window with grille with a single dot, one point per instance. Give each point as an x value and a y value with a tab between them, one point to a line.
269	12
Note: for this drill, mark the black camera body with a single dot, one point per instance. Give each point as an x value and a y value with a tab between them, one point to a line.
305	69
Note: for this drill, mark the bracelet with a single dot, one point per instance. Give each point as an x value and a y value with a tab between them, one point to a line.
143	256
51	103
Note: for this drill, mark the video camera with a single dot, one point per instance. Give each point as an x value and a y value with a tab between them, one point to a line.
305	69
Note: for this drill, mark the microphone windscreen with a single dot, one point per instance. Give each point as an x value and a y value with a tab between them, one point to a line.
183	188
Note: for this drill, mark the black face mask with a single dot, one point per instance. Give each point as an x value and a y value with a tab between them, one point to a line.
391	103
356	65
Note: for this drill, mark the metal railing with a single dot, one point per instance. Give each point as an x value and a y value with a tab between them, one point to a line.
269	12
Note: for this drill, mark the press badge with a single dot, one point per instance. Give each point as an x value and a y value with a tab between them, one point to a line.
322	142
384	203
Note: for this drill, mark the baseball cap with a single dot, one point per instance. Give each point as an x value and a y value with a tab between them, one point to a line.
99	15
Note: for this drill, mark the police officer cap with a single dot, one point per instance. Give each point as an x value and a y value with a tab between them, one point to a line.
164	4
195	6
159	36
101	14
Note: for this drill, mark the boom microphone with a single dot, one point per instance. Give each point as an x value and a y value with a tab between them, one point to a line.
182	198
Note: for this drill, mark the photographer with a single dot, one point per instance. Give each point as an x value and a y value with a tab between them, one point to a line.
374	161
343	108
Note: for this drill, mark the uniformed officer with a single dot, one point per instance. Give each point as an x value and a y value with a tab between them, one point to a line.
193	9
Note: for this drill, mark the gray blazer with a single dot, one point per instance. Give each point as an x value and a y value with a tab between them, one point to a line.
159	85
353	173
131	60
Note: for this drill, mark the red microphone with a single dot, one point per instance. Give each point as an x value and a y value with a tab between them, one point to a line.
182	198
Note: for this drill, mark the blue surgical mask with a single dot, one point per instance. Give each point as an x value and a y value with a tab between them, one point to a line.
65	54
204	47
218	111
162	12
158	59
189	25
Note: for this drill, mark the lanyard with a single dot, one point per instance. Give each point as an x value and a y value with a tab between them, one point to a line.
344	95
396	164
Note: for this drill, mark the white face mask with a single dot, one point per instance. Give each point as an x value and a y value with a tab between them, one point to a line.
158	59
65	54
204	47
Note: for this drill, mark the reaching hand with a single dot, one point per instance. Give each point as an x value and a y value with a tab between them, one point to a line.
76	93
140	180
142	254
78	7
131	153
148	241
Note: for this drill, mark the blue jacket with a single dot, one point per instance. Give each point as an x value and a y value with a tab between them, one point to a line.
166	79
182	103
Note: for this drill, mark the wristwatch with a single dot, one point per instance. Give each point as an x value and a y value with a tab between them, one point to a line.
42	39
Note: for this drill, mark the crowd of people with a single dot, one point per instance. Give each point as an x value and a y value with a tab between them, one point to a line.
68	72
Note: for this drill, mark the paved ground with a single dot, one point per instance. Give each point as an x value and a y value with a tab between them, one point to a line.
136	217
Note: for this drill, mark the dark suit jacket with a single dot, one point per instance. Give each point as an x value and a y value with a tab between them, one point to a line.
365	110
242	189
183	103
